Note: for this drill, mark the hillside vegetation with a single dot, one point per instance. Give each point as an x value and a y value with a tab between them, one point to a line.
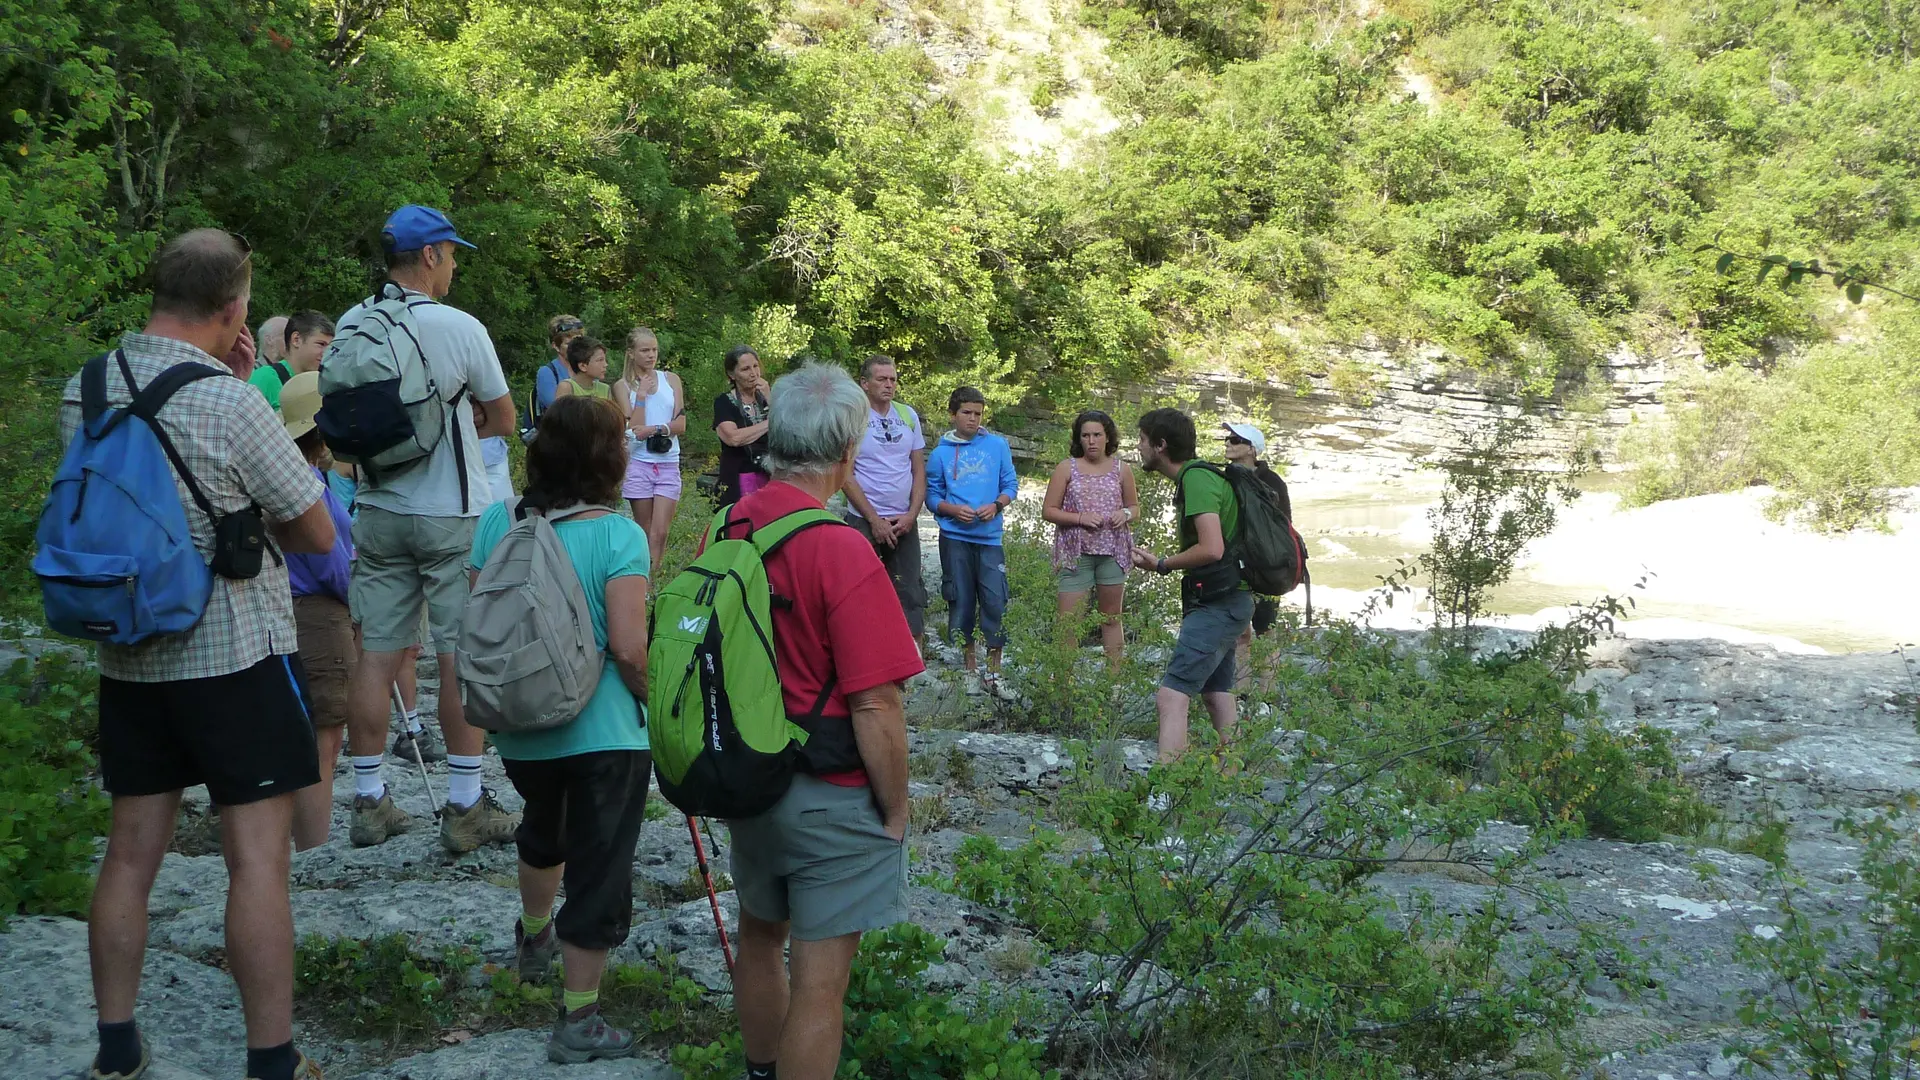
1272	185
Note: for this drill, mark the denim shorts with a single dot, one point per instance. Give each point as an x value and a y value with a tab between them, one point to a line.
1202	661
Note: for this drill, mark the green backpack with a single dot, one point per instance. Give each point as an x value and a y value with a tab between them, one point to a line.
723	745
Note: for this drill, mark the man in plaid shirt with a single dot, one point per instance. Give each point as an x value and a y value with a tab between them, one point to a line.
219	704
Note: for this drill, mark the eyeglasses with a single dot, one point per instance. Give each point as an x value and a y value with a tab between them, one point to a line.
246	250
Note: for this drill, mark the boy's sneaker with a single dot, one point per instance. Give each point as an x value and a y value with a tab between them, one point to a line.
140	1070
485	822
534	955
307	1070
584	1036
424	742
973	685
375	820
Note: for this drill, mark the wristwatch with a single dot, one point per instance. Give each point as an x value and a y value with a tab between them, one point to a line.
1160	565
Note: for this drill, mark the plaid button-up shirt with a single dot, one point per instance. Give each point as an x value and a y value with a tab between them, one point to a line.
240	454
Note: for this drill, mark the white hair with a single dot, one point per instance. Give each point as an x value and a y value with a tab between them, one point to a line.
815	414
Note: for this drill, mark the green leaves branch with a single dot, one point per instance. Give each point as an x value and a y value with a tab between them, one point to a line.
1851	280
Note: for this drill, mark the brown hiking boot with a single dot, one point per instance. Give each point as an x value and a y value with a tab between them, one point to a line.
485	822
533	955
375	820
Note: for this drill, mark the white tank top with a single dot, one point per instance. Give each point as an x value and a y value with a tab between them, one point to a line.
655	409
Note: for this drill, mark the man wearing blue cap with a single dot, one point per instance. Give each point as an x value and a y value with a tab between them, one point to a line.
413	533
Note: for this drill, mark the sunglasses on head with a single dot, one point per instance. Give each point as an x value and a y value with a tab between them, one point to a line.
568	326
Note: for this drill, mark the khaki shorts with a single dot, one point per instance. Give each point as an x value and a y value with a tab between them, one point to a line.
407	563
1091	570
822	860
328	654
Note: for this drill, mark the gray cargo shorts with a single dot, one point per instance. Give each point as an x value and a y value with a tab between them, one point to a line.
822	860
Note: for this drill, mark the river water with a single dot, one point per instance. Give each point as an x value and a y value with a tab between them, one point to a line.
1714	566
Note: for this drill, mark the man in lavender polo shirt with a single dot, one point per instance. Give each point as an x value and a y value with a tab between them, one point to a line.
888	485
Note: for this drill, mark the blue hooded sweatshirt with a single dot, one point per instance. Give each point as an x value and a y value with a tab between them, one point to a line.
971	472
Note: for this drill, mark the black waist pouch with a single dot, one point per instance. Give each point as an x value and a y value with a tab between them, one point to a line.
1205	584
239	542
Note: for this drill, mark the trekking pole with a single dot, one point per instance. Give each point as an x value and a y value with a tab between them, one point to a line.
713	898
400	704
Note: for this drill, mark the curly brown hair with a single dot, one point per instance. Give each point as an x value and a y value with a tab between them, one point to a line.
579	454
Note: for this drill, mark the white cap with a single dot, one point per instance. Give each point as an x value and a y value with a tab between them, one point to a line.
1251	434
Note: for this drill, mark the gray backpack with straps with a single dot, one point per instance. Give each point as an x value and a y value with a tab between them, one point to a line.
526	654
380	407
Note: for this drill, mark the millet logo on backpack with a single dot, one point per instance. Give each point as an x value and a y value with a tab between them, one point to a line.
693	624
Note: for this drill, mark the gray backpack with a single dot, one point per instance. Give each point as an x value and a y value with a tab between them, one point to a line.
379	406
526	653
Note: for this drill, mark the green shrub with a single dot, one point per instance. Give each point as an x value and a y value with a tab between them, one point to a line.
1710	439
1846	430
1843	999
50	810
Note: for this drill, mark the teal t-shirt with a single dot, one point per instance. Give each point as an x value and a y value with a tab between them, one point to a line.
602	549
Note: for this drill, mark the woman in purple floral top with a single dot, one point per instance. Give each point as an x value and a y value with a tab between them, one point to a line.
1092	503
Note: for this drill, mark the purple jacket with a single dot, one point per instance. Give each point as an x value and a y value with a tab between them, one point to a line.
325	575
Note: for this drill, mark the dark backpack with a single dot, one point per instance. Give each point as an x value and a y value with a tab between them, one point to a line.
1272	557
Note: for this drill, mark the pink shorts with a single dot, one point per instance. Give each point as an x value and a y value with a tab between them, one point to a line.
652	479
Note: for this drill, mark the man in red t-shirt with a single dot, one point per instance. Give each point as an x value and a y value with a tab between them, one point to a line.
829	861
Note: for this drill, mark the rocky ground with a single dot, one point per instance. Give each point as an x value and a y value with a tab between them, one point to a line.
1808	736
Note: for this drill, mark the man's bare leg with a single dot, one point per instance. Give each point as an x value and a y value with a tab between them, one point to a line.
811	1038
760	989
1172	705
117	921
254	840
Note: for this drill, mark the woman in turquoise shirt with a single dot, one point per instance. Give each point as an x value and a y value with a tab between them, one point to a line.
585	782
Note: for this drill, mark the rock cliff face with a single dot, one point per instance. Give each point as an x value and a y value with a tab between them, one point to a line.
1417	406
1808	736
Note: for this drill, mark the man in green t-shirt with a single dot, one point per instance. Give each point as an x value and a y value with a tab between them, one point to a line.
1216	606
306	337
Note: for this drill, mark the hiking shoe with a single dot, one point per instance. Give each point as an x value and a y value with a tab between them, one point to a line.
485	822
996	684
375	820
423	742
306	1070
1159	802
973	685
140	1070
534	955
584	1036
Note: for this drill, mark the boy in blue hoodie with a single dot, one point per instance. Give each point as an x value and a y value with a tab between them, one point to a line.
970	481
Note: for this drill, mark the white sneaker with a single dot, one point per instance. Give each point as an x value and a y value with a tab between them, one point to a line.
973	685
1159	802
997	686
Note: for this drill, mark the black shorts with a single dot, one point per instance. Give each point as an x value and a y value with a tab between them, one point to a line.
1266	615
246	736
585	811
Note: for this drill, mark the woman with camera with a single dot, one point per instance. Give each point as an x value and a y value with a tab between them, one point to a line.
740	419
656	409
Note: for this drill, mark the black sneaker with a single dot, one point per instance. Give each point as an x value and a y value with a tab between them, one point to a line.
424	741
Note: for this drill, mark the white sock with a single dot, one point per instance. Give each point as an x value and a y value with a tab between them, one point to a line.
413	721
463	780
366	776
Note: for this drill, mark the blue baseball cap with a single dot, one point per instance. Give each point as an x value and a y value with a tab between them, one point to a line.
414	227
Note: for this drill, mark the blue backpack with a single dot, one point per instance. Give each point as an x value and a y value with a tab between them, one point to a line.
116	561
